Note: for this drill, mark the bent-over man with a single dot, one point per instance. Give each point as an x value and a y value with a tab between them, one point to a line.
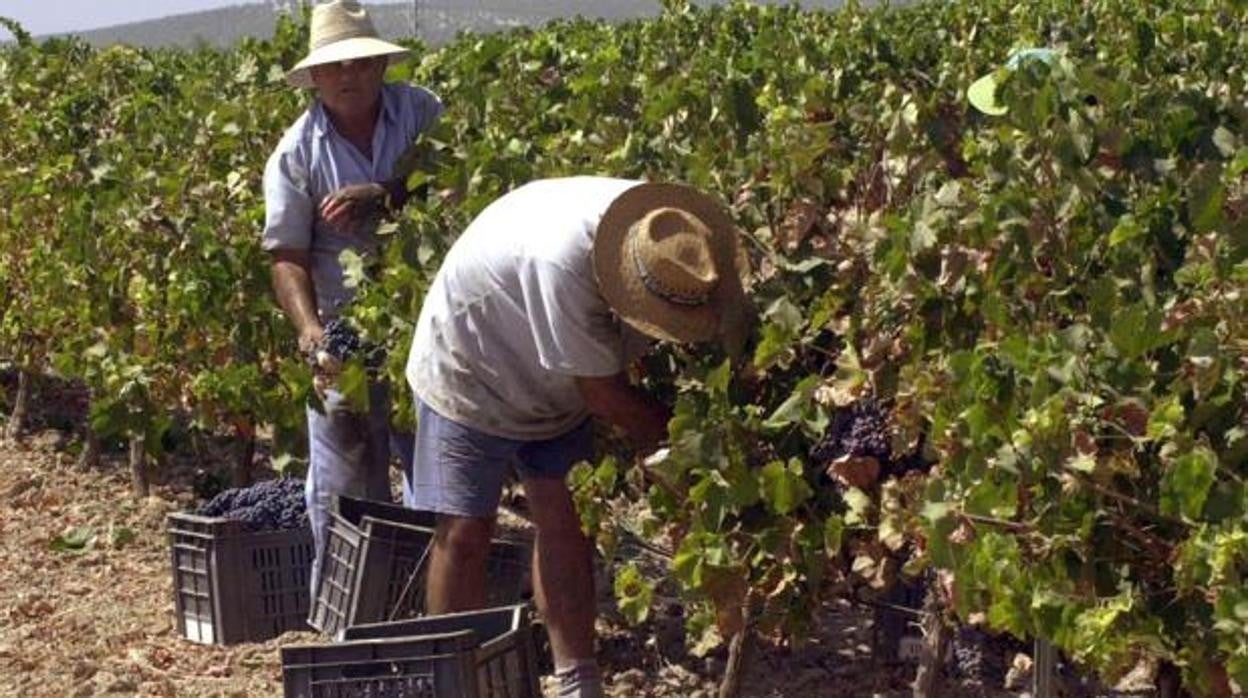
524	334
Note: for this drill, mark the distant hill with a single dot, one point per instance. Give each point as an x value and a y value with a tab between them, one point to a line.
439	21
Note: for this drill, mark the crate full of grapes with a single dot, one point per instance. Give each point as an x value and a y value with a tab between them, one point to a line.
242	565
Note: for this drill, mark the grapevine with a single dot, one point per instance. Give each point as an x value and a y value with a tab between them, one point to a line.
1033	324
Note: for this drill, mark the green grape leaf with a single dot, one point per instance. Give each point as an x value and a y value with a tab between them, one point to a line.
860	507
1186	484
795	407
833	534
74	540
783	486
1165	419
634	594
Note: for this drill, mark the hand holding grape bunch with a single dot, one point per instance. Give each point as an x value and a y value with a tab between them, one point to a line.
338	343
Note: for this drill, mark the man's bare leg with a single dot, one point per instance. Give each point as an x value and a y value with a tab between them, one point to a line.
457	564
563	582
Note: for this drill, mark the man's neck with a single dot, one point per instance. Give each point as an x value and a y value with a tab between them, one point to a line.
357	128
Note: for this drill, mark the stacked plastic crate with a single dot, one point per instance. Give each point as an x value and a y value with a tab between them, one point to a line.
481	654
373	567
232	584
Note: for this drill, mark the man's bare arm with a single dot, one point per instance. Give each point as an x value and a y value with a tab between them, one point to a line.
292	283
613	399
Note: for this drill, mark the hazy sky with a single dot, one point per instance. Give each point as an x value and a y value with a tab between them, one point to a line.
52	16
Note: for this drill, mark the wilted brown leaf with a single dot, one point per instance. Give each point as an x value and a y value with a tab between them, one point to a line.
798	221
727	589
855	471
1130	415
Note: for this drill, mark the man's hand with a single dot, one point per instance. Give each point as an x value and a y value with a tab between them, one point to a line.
613	399
325	368
292	282
310	337
356	207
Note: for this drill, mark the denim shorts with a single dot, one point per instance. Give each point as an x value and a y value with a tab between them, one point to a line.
459	470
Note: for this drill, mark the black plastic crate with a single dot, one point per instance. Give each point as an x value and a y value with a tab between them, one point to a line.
353	510
233	585
431	666
505	657
368	573
373	564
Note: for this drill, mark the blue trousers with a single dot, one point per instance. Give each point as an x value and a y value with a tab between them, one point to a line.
349	453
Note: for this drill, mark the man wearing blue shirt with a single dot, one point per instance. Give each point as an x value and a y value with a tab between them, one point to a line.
331	172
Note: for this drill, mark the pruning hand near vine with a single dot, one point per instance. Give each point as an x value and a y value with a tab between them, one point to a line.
523	337
359	207
335	171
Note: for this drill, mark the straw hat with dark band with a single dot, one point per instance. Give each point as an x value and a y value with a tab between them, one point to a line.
669	261
341	31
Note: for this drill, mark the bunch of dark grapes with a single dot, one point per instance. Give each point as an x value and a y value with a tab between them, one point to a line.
342	342
983	658
340	339
859	430
270	505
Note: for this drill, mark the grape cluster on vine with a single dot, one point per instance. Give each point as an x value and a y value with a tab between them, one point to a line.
269	505
862	430
859	430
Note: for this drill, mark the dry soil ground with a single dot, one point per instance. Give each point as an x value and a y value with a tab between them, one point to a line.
86	605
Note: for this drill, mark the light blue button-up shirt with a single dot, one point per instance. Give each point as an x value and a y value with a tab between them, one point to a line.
313	160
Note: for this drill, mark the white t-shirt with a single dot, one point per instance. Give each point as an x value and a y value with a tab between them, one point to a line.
514	314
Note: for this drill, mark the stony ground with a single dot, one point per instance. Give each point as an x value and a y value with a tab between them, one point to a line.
98	619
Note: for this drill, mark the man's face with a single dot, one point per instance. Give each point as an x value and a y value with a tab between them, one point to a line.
350	88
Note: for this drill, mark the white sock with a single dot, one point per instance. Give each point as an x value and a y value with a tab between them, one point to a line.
579	679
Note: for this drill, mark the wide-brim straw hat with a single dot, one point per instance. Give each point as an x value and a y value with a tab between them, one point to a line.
670	262
982	94
341	31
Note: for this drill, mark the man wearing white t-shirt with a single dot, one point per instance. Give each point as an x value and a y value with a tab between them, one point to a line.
523	336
